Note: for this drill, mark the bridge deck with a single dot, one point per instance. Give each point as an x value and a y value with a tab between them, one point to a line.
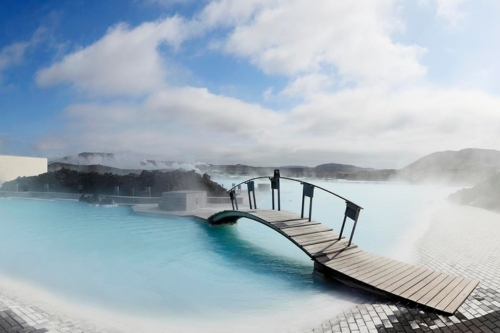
350	264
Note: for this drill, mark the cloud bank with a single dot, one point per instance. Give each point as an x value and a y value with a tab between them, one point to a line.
359	91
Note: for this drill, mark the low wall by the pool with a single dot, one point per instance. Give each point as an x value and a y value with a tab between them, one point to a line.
123	200
75	196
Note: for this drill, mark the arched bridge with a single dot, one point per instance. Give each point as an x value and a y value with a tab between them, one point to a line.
337	257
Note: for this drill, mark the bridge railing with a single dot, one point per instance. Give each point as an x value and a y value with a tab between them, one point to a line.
352	209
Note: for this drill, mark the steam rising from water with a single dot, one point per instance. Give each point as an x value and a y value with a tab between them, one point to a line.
127	161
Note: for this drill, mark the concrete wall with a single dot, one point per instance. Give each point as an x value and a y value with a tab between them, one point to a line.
183	200
223	200
12	167
122	200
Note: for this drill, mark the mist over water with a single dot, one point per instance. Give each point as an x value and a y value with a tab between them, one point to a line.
176	272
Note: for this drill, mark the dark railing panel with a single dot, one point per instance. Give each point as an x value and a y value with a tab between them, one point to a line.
275	185
251	189
307	191
352	212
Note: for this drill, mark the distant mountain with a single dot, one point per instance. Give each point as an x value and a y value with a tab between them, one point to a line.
334	167
100	169
329	170
464	167
485	194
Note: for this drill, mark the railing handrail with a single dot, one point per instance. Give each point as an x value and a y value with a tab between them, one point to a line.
352	209
299	181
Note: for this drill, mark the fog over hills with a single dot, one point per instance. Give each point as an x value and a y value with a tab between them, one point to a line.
485	194
465	167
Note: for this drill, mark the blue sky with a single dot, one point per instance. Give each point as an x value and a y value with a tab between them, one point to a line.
275	82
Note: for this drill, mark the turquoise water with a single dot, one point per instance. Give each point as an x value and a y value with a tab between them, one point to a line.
180	269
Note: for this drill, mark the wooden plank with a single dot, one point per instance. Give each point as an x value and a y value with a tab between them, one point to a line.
354	260
305	230
371	269
338	248
291	222
313	242
406	291
355	264
429	292
363	267
410	280
444	292
330	256
358	260
274	216
379	270
394	274
314	239
388	272
283	225
327	249
325	245
374	263
453	306
424	289
390	281
319	227
446	303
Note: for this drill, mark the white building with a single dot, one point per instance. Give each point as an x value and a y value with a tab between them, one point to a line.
12	167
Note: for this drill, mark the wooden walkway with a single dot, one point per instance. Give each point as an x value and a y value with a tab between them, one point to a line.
350	264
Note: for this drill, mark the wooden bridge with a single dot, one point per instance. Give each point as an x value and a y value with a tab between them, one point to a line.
337	257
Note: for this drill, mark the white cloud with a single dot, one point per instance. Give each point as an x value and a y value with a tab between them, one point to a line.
296	37
13	54
350	126
308	86
168	3
363	94
450	11
124	62
199	108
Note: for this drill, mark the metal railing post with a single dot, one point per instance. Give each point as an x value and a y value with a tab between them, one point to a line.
310	208
307	191
342	229
302	210
254	202
275	185
352	232
251	188
272	196
249	199
352	212
277	178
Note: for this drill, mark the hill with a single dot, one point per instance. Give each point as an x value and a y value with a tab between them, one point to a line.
101	169
485	194
465	167
329	170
